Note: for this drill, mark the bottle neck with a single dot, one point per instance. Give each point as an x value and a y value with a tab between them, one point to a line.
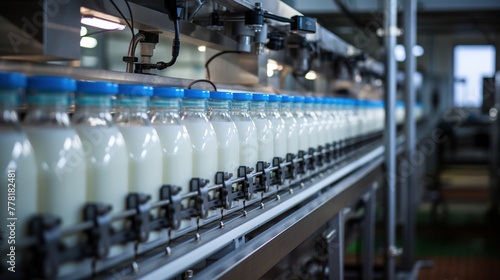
240	106
47	109
133	104
219	105
273	106
165	104
286	106
9	101
92	104
298	106
258	106
194	105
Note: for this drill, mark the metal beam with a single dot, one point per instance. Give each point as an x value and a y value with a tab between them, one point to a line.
390	27
410	26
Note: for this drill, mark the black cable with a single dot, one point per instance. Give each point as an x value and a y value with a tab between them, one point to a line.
124	18
213	57
200	81
131	16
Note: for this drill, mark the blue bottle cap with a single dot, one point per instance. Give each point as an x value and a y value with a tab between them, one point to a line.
196	93
51	83
309	99
168	92
287	98
242	96
298	99
12	80
275	98
224	95
260	97
98	88
136	90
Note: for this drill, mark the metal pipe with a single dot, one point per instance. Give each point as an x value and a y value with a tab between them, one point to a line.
131	50
410	26
390	22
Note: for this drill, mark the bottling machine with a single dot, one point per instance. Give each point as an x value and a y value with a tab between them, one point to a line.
285	219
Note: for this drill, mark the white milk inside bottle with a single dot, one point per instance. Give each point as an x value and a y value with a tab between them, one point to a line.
291	127
62	171
18	172
312	121
201	132
265	134
247	131
328	119
143	144
228	141
280	133
103	144
174	138
322	122
302	123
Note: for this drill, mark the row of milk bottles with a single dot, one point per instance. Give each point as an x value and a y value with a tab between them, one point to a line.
156	136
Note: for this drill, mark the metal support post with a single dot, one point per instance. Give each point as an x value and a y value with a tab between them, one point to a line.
410	14
390	31
336	247
495	149
369	233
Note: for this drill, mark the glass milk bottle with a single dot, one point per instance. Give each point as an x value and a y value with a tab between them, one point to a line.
143	144
302	123
228	141
328	119
291	127
247	131
62	170
174	138
265	134
18	172
104	146
279	129
313	123
201	132
322	122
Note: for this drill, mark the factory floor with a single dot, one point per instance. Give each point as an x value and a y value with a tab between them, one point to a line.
462	241
462	238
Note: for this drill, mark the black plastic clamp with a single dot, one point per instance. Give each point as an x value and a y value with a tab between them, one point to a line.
280	173
45	259
265	178
201	200
99	236
310	159
291	170
172	212
247	186
140	221
226	194
300	163
327	153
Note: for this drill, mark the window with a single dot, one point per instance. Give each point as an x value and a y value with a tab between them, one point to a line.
471	64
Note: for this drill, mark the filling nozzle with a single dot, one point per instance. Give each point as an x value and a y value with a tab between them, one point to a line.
260	39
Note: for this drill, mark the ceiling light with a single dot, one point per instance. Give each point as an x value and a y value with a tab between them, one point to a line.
88	42
102	23
83	31
311	75
202	48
